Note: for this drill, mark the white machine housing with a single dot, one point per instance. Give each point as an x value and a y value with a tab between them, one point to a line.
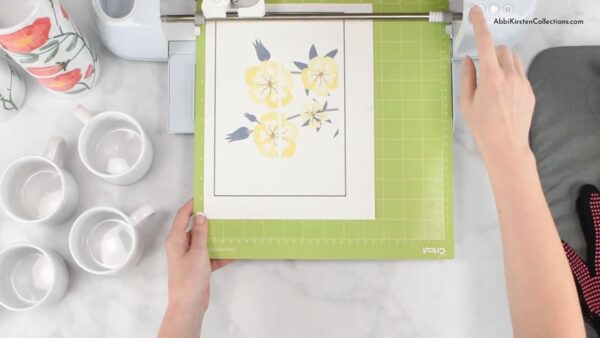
132	29
243	8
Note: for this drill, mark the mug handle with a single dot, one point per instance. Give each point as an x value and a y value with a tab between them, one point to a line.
139	216
83	114
55	151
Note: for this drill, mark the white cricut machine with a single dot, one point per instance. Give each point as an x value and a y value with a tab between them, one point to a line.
155	30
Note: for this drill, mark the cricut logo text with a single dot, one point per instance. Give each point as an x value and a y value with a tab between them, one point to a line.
434	251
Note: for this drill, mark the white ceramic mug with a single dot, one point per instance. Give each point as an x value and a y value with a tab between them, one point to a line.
32	276
12	91
41	37
37	189
114	147
105	241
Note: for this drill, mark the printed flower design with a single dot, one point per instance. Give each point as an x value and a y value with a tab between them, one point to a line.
269	83
90	70
47	70
63	82
314	115
321	74
63	11
275	136
27	39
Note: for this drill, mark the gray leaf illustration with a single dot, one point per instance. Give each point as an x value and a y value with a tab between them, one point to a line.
73	43
300	65
312	53
31	58
324	107
51	44
77	91
51	55
337	132
332	54
261	51
251	117
240	134
306	123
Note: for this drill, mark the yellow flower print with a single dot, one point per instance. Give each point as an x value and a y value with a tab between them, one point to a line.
321	75
269	83
275	136
313	115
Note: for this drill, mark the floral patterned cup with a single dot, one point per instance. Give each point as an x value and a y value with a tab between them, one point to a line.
40	36
12	91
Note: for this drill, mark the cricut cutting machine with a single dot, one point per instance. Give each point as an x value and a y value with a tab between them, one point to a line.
155	30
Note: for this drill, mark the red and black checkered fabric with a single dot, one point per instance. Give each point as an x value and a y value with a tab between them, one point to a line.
586	274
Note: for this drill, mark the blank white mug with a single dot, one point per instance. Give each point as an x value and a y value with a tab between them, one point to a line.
105	241
37	189
114	147
32	276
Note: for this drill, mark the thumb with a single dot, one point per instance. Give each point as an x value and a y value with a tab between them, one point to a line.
468	82
199	232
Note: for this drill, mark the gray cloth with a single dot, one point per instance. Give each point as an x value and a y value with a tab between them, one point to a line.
565	134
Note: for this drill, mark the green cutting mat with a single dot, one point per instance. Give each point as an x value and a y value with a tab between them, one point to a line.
413	158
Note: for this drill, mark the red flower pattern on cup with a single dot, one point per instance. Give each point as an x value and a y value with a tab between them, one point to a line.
63	82
64	12
89	72
28	38
46	71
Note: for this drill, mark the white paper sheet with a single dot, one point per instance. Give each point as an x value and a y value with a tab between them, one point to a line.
289	119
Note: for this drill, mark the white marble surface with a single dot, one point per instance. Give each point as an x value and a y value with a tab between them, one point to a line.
464	297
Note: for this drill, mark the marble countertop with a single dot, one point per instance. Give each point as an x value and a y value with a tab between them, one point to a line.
464	297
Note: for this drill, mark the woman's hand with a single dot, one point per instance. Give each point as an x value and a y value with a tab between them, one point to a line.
499	108
189	274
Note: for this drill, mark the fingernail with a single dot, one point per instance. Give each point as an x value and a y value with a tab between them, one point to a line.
464	61
476	8
200	218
